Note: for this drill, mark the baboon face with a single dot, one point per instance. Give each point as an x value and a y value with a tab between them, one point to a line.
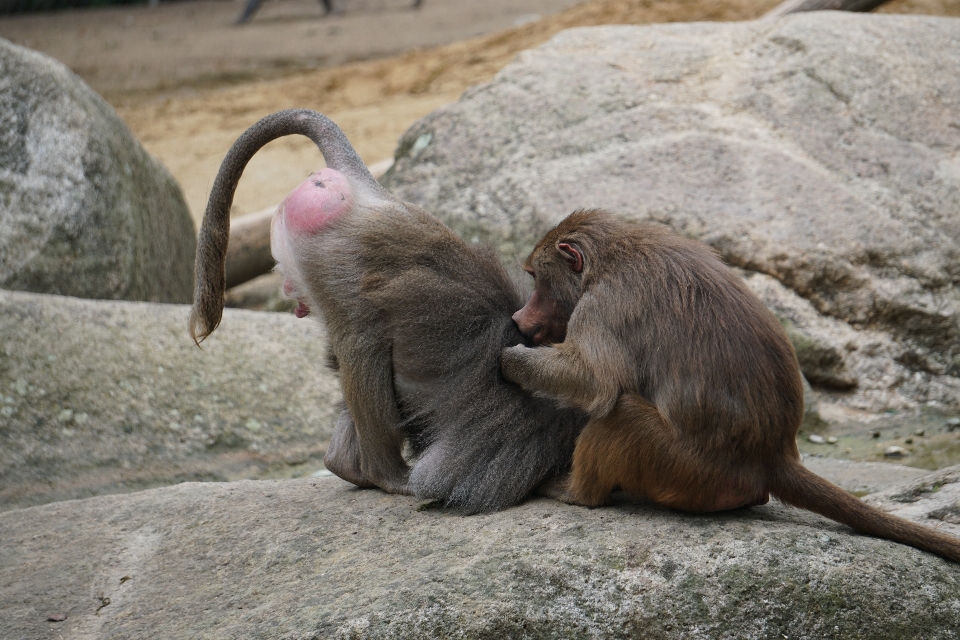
556	267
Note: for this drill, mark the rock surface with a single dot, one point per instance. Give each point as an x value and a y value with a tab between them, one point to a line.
861	478
84	210
103	396
934	498
819	152
320	559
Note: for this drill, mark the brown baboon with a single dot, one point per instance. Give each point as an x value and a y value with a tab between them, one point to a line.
693	389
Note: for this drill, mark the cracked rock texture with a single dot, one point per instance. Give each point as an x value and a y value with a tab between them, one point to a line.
934	497
318	558
106	396
84	209
820	153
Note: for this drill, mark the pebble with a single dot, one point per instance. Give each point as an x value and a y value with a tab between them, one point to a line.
815	439
896	452
875	434
920	432
953	423
832	440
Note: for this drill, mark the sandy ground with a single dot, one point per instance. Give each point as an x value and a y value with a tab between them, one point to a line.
188	81
197	43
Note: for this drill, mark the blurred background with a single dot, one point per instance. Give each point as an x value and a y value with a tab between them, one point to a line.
188	80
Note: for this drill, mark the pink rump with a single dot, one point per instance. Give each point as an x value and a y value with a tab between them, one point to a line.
317	201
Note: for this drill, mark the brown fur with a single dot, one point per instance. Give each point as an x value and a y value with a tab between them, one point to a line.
693	388
416	320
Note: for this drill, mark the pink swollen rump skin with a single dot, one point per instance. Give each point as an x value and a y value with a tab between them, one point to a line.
309	208
318	201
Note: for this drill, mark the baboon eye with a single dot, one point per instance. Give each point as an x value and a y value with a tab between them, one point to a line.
573	255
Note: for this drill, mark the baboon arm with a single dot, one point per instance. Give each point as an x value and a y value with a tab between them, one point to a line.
366	377
558	488
587	370
561	372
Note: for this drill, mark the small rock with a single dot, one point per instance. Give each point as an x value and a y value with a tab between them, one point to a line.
896	452
57	617
909	441
953	423
815	439
875	434
920	432
832	440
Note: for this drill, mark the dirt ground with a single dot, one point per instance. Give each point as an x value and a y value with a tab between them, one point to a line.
197	43
188	81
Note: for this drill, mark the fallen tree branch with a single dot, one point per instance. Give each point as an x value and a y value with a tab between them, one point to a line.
795	6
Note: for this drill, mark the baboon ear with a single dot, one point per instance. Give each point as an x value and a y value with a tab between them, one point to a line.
573	255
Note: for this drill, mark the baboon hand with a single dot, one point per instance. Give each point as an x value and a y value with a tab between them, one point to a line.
515	364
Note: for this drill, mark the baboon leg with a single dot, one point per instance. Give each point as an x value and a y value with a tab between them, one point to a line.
558	488
599	461
343	454
633	448
367	383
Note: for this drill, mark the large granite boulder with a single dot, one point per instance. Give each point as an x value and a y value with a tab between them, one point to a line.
318	558
84	210
819	152
104	396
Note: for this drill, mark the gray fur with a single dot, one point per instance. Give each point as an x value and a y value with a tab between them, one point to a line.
417	319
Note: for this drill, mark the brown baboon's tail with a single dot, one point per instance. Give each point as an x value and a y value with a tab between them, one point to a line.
794	484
